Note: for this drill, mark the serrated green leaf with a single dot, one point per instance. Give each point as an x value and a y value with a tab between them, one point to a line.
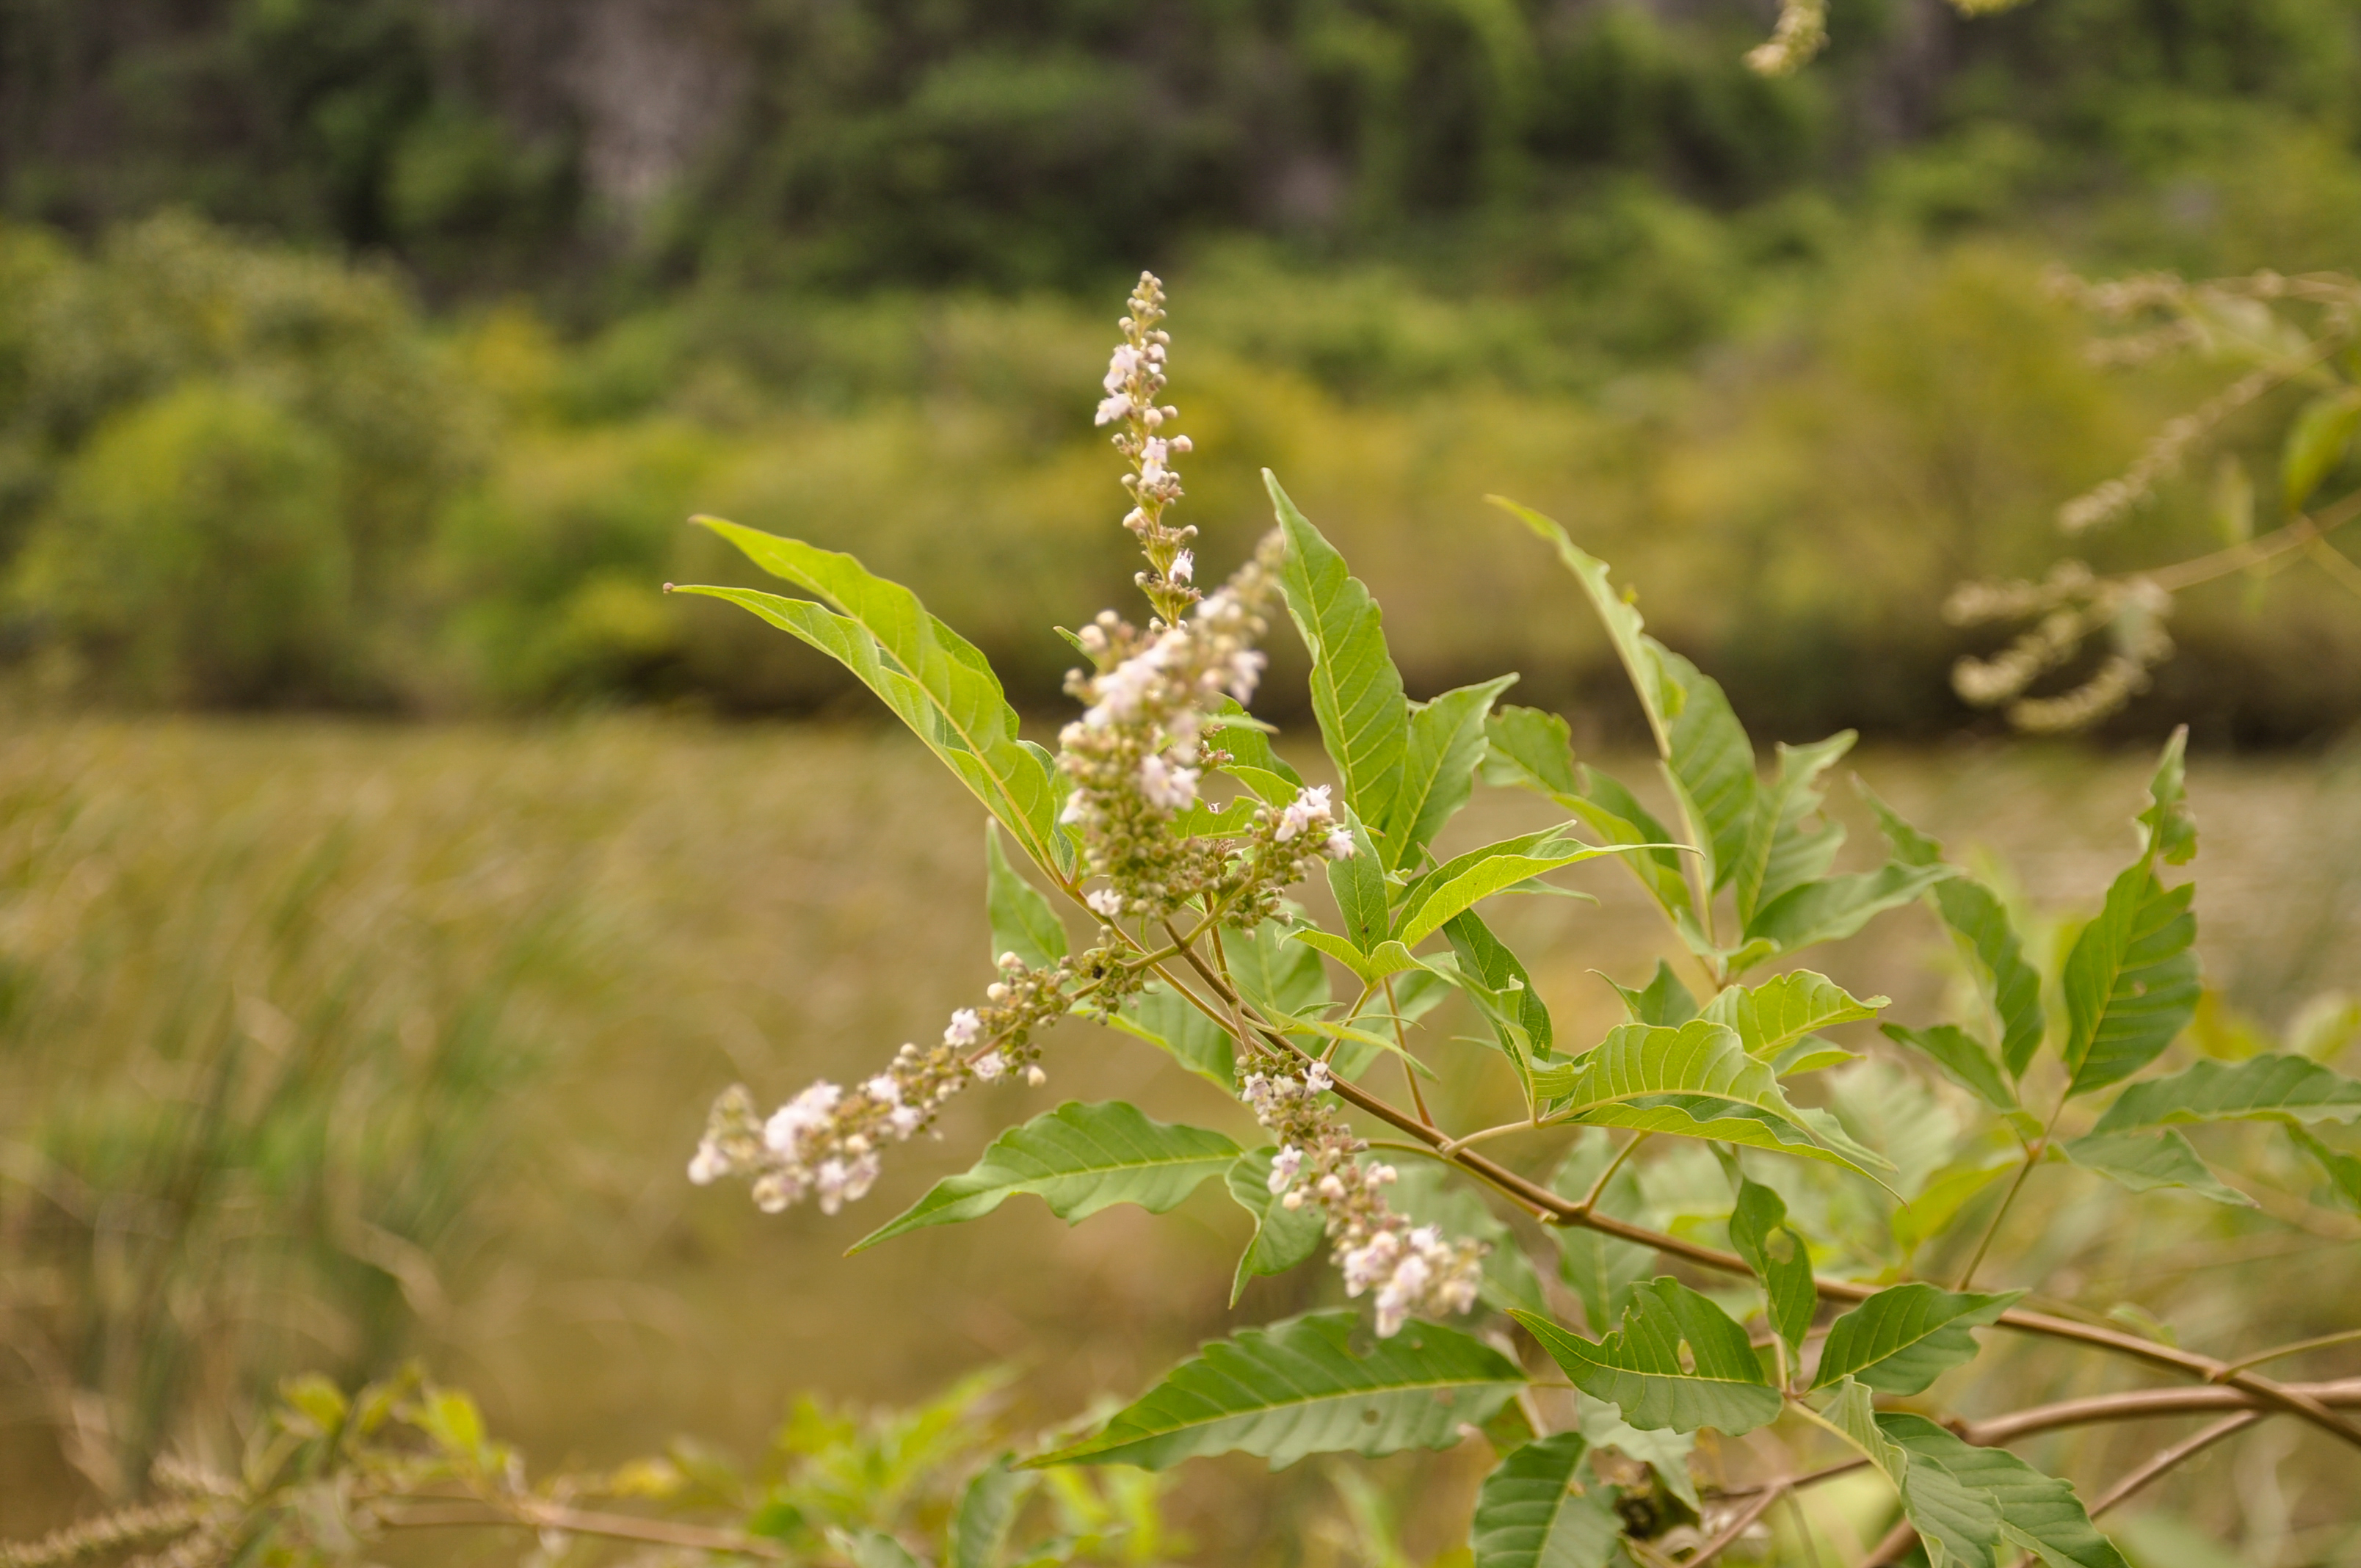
1283	1237
1169	1021
1525	747
1835	907
1616	816
1464	880
1678	1361
2130	981
1695	1082
1358	881
2268	1086
2168	832
1976	915
987	1508
1487	959
1963	1059
934	680
2342	1170
1664	1000
1022	920
1356	692
1438	772
1774	1250
1956	1524
2038	1513
1778	853
2316	444
1709	762
1251	754
1079	1159
1531	1511
2144	1161
1783	1009
1309	1386
1618	614
1811	1054
1902	1339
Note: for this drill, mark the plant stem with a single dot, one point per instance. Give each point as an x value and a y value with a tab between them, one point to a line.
2346	1336
2144	1404
2188	1448
1417	1095
2297	535
1738	1525
528	1515
1590	1198
1550	1207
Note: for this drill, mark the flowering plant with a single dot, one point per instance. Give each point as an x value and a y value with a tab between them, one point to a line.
1167	821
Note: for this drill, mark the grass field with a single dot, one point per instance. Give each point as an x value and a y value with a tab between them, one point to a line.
326	1042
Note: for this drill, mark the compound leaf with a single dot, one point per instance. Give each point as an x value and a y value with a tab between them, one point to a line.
1835	907
1778	852
1963	1058
1783	1009
2130	981
1307	1386
1078	1158
1774	1250
2146	1160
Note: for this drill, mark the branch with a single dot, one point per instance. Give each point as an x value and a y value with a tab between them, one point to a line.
2188	1448
1739	1526
2145	1404
1551	1208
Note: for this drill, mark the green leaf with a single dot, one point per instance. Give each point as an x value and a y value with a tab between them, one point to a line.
2166	830
1251	753
1836	907
1711	763
1022	921
1976	915
1078	1158
1533	1513
2316	444
1664	1000
1665	1452
1902	1339
2342	1170
1166	1019
1358	881
986	1509
1695	1082
2268	1086
1276	974
1390	958
1774	1250
2130	981
1356	692
1484	957
1525	747
1783	1009
1677	1362
1463	882
934	680
1309	1386
1962	1059
2144	1161
1615	814
1618	614
1778	853
1956	1523
1439	757
1283	1237
872	1548
2038	1513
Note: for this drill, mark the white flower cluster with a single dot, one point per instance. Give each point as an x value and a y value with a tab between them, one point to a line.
825	1143
1413	1269
1135	378
1308	816
2071	604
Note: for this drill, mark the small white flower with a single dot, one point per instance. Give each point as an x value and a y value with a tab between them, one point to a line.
1184	566
1318	1080
1113	408
991	1065
1308	810
1121	365
1339	846
963	1027
1035	1075
905	1120
1166	786
884	1089
1106	901
1284	1165
710	1163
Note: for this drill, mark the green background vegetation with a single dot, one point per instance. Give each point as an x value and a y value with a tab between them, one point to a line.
369	355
